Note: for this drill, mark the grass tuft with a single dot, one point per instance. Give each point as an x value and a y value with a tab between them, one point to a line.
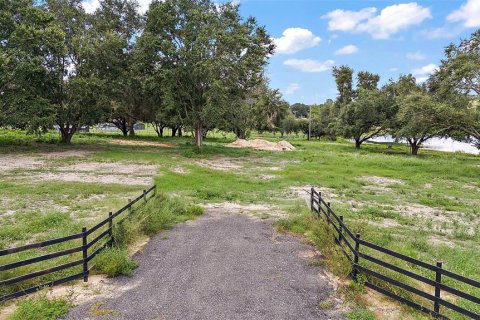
40	308
114	262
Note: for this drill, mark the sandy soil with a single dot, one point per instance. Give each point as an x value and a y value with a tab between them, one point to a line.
262	145
221	163
112	168
140	143
91	178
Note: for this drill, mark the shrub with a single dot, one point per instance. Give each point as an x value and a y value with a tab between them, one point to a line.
114	262
40	309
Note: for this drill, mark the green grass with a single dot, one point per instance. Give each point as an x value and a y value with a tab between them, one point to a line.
431	215
40	308
114	262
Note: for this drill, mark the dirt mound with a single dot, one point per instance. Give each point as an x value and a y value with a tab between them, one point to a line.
262	145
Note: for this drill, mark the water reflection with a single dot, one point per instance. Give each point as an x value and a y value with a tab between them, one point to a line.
444	144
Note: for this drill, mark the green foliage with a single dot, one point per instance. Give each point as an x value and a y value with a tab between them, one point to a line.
222	56
114	262
28	41
457	82
361	313
40	308
366	116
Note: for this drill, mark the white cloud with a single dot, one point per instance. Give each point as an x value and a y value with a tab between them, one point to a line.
416	56
91	5
389	21
425	70
468	14
345	20
292	88
442	32
350	49
295	39
422	73
309	65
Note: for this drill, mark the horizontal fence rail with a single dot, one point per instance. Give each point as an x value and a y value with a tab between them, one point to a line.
77	243
351	244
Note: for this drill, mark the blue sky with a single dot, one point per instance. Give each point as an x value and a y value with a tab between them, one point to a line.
384	37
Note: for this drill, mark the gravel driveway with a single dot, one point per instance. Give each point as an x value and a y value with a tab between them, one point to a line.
218	267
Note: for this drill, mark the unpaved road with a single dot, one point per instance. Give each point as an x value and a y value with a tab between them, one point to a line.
217	267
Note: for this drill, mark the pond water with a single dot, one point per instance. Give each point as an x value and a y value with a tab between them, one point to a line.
440	144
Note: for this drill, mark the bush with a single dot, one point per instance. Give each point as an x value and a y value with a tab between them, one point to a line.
40	309
114	262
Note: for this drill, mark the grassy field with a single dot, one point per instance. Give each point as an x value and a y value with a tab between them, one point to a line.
427	206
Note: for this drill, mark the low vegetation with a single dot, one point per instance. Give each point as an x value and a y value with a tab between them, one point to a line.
424	206
41	308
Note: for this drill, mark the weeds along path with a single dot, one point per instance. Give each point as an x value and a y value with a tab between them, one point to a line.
220	266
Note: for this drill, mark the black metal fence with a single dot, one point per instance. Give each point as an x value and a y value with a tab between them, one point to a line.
382	280
77	249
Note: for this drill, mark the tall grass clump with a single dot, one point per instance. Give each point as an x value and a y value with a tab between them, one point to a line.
41	308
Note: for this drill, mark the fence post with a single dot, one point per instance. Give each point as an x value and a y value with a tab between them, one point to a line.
319	204
312	193
438	278
355	259
340	233
110	227
145	195
328	212
85	254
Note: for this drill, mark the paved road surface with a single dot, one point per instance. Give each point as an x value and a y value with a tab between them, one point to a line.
218	267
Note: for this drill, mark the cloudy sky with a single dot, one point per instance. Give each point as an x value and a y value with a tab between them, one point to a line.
385	37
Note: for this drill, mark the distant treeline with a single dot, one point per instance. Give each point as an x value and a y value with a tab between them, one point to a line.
445	105
196	65
185	64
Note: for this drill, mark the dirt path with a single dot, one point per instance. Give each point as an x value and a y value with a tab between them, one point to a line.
217	267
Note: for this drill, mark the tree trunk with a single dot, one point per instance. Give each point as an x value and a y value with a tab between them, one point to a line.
131	128
67	134
358	143
174	131
180	133
414	149
199	135
158	127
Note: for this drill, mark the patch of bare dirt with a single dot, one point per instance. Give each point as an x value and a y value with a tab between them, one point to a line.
418	210
262	145
90	178
379	184
140	143
180	170
266	177
220	163
304	193
439	241
383	307
66	154
262	211
385	223
428	186
381	181
13	162
112	168
471	186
